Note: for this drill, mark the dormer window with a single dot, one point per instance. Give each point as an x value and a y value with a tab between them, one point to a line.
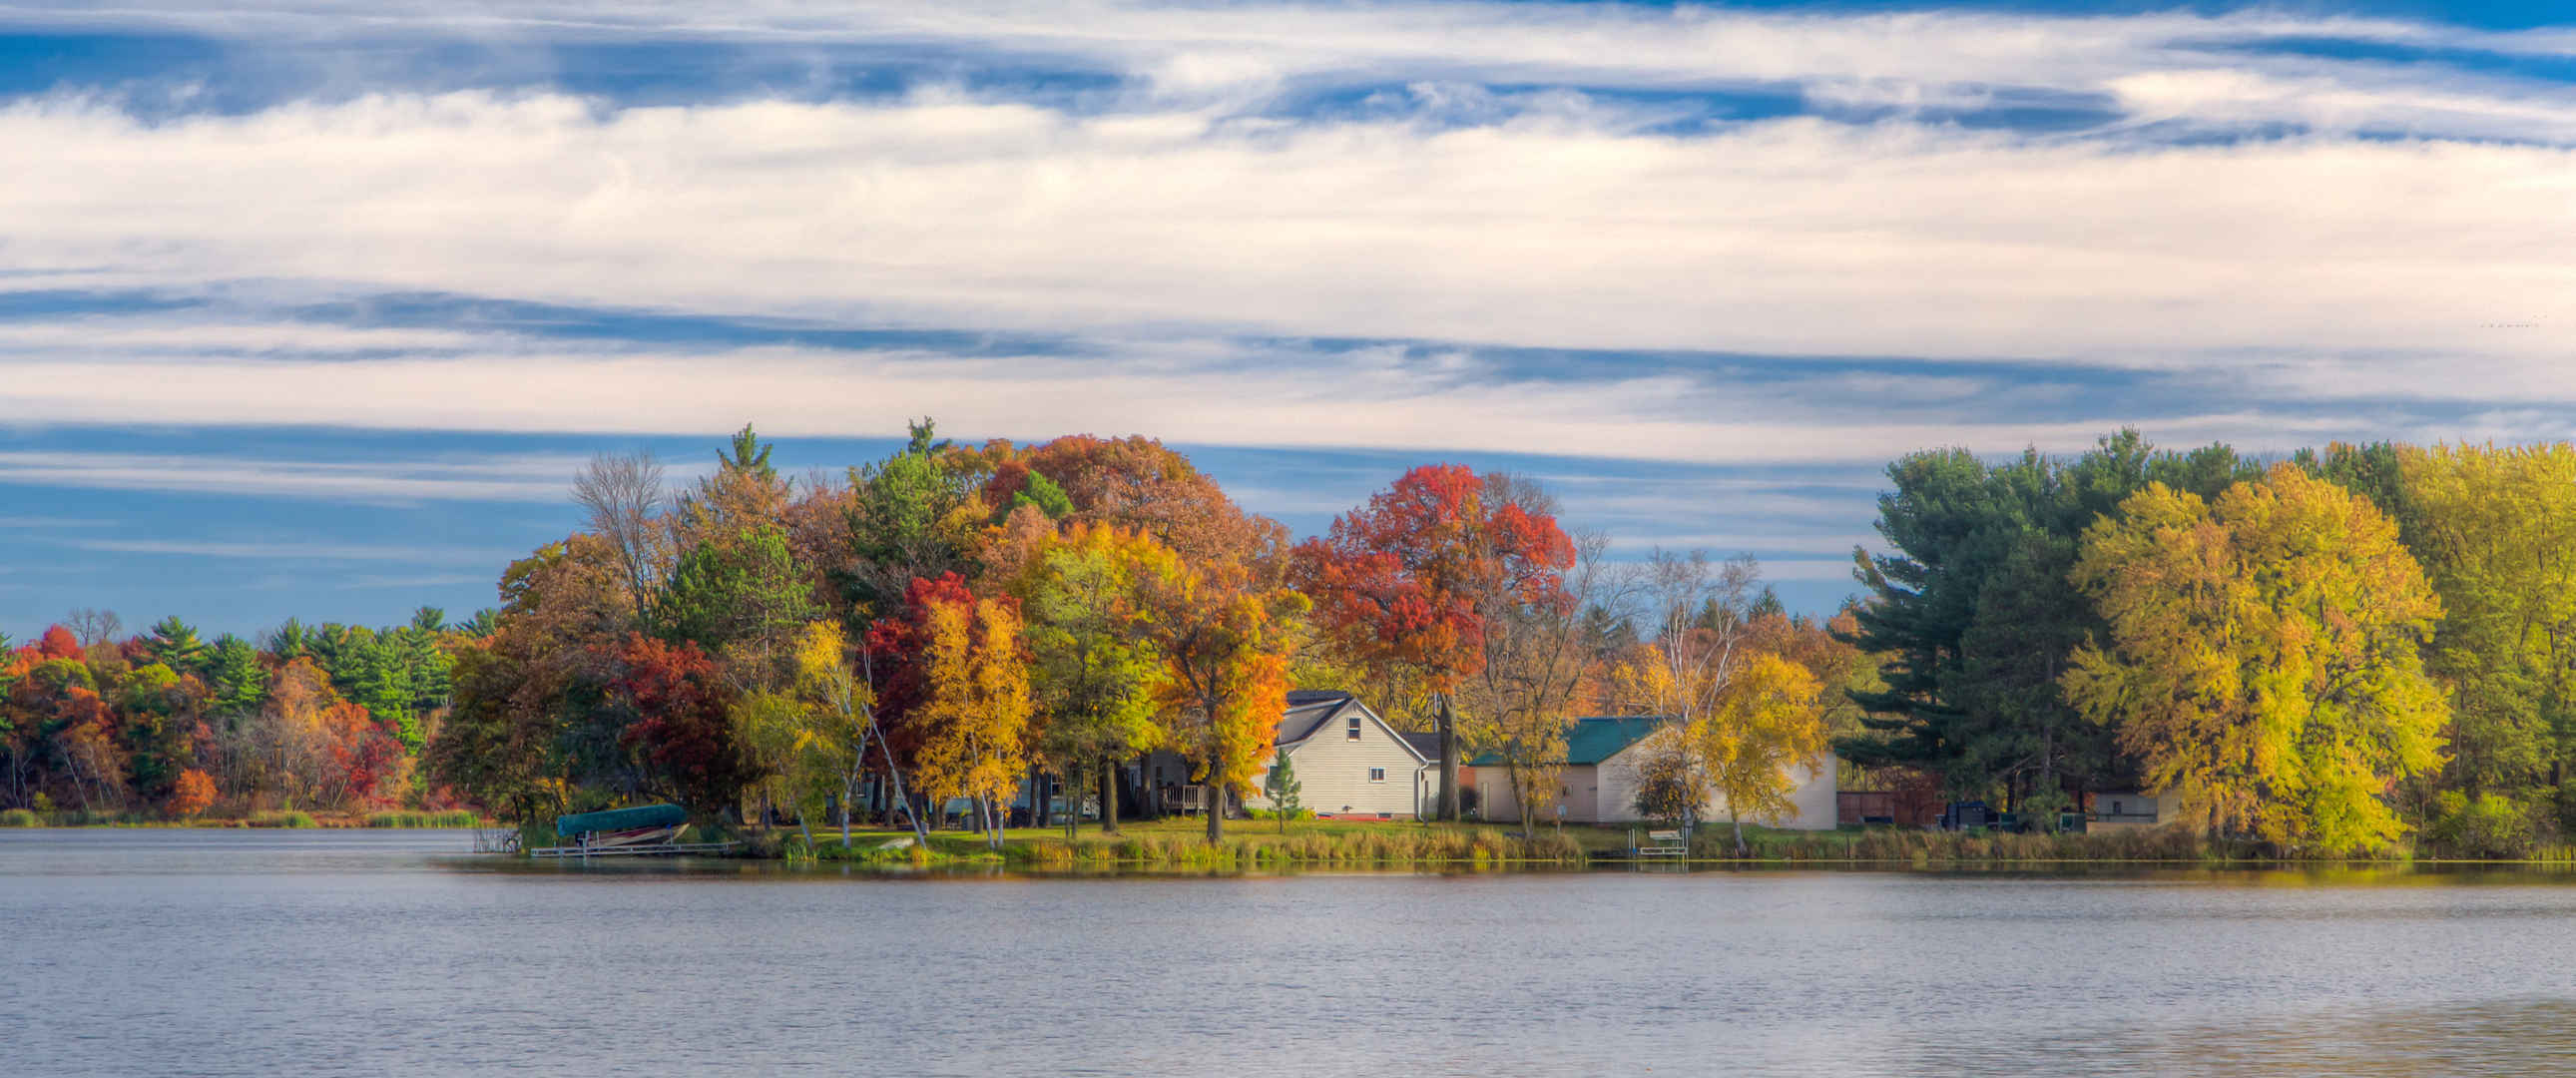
1354	726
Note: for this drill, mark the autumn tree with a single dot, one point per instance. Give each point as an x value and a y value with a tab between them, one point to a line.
2496	533
1140	484
974	708
1411	582
841	714
681	734
2261	656
192	795
536	709
1098	680
1765	727
1974	618
1225	640
1535	664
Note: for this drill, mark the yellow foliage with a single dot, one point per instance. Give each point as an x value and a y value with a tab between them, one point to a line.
1769	719
2262	656
976	710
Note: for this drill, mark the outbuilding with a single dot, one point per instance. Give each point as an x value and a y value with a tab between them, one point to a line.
1597	780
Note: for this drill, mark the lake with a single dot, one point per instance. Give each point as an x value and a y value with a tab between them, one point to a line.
394	952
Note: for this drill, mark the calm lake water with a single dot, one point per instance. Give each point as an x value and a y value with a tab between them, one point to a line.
358	952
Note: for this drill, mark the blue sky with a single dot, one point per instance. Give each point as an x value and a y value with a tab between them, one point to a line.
313	308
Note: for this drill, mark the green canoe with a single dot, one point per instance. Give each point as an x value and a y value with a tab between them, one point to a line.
625	819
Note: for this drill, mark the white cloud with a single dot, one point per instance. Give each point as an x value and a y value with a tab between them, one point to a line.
1162	233
1794	236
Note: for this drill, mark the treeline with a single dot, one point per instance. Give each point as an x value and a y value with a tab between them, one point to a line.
326	718
2329	654
958	622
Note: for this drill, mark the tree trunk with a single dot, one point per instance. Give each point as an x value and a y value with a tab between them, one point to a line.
1738	821
1212	806
1108	797
1448	760
895	778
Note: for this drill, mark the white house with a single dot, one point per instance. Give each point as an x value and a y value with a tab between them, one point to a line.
1597	780
2121	809
1350	763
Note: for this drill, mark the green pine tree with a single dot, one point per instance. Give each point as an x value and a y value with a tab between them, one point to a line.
1282	788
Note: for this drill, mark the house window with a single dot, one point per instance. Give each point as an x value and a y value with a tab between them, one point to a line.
1377	774
1354	727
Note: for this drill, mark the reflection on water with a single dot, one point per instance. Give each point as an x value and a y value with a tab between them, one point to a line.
377	952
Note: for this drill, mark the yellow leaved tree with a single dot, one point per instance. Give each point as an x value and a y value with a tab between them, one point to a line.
1768	722
2262	657
2496	531
975	711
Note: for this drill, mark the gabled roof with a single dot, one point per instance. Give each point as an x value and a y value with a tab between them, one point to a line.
1426	746
1311	711
1308	711
1592	740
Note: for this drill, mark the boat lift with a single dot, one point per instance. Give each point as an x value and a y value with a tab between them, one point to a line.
640	831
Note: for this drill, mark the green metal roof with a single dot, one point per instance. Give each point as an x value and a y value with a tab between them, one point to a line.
1590	741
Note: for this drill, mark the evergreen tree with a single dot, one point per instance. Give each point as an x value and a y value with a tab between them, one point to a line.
235	680
174	643
1282	788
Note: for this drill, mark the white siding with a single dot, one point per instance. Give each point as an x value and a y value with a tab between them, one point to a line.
1578	790
1812	798
1332	771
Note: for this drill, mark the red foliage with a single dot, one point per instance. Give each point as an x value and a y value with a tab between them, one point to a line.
680	732
894	652
1412	576
363	750
1009	478
59	643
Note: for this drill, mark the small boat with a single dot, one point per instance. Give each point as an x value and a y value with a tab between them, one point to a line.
627	826
635	830
611	826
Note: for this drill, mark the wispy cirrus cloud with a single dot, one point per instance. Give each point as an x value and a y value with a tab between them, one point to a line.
1794	236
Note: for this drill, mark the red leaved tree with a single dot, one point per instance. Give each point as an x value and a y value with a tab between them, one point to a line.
681	735
1409	583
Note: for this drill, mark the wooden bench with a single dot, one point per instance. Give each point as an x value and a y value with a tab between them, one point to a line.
1658	844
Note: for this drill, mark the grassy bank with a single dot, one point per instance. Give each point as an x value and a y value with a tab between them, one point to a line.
1182	844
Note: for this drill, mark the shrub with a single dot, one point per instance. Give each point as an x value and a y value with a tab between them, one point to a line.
20	818
192	794
2489	828
286	818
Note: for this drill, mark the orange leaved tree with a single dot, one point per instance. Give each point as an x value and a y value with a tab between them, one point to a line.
1225	639
1412	582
